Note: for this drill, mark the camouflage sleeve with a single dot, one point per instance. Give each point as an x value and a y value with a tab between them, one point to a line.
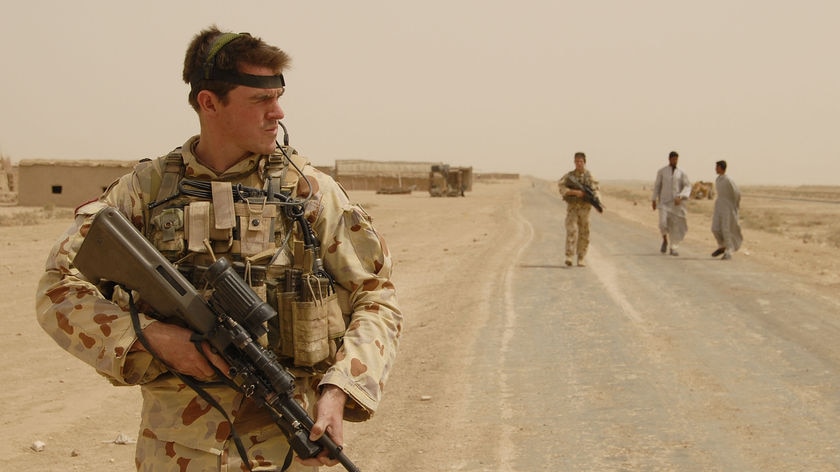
357	257
564	186
79	318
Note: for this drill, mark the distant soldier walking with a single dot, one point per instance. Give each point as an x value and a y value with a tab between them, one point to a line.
573	187
725	225
670	190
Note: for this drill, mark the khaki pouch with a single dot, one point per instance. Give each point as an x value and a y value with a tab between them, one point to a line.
311	325
168	231
201	226
256	227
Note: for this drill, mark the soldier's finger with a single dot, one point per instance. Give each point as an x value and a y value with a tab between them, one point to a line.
216	359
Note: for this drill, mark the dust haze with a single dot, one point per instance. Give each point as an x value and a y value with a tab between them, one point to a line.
499	86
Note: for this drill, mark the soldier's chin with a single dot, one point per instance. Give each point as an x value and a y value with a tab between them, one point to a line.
266	148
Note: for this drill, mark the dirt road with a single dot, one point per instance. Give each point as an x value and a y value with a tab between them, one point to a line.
510	361
638	362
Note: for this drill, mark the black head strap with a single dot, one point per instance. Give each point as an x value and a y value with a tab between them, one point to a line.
248	80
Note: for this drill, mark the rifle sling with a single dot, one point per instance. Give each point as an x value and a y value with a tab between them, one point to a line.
197	339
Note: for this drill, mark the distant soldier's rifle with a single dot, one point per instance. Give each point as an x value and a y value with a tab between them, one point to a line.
588	194
230	321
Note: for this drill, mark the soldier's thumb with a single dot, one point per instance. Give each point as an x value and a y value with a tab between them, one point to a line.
317	430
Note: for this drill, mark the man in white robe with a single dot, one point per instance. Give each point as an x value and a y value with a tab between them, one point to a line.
670	192
725	222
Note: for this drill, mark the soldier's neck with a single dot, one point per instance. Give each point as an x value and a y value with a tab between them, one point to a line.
216	158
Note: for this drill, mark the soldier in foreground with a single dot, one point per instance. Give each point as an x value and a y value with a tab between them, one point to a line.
726	226
581	192
189	205
670	190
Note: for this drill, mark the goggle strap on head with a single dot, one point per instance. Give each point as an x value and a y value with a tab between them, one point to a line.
218	44
248	80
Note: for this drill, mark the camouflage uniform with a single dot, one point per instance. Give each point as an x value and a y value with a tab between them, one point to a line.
179	430
577	215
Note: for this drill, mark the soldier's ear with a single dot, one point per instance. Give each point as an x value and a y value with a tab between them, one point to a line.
207	101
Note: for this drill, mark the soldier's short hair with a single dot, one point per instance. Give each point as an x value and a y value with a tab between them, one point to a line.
227	57
581	155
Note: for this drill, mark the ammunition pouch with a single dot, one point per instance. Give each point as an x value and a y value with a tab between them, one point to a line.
310	325
196	223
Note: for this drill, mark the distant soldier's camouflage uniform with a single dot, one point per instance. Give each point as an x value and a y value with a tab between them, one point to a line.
577	215
178	430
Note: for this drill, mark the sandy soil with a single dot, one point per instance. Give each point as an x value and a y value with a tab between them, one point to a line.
440	245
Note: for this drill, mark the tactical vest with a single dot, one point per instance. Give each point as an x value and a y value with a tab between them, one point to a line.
194	222
585	179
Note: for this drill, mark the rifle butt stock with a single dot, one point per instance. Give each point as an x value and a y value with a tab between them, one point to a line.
114	250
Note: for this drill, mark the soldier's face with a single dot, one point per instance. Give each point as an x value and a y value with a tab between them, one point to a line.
580	164
250	115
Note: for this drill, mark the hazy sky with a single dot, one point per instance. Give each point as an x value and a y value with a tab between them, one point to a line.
502	86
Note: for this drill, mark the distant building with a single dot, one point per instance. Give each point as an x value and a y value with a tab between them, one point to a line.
42	182
354	174
8	181
66	183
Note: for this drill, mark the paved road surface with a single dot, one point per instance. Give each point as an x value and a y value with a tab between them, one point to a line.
647	362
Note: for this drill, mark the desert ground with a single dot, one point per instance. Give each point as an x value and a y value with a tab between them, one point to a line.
440	409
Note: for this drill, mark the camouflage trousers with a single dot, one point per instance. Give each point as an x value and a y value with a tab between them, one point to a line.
577	230
266	445
267	449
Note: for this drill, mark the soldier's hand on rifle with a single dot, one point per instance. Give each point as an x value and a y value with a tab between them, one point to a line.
172	344
653	204
329	417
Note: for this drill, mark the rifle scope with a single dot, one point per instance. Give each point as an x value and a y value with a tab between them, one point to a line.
237	299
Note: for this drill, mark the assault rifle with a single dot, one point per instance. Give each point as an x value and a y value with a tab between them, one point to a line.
589	194
230	321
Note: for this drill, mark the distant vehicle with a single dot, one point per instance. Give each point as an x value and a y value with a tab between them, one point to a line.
701	190
446	181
